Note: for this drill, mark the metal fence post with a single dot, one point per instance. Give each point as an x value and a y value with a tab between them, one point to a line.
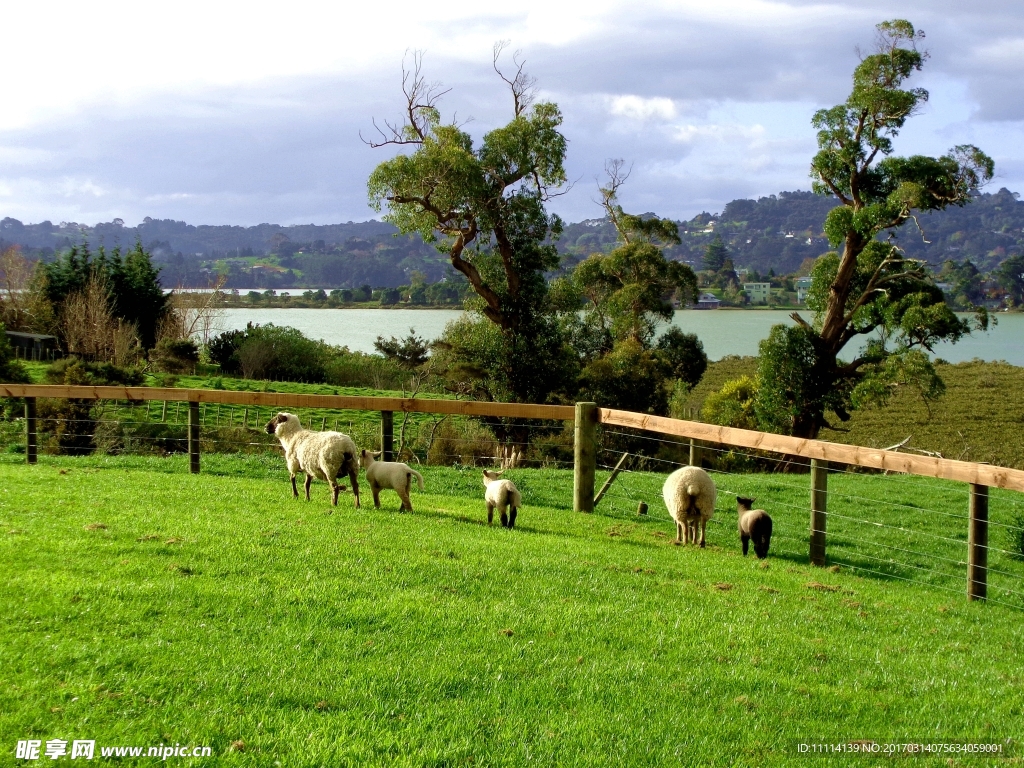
31	436
819	505
193	437
977	544
585	457
387	435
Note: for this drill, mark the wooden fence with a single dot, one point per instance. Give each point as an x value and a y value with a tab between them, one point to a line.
586	418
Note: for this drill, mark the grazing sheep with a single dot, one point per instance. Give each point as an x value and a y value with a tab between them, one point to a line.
753	524
323	455
389	474
690	497
501	493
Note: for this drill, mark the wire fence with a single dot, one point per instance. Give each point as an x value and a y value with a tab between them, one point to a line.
881	526
161	428
887	526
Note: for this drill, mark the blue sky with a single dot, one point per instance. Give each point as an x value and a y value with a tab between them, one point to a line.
241	113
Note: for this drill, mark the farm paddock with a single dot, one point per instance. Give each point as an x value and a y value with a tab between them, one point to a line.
144	604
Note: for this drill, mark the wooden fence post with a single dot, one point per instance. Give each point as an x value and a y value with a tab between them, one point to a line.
31	437
977	544
694	453
585	457
193	437
387	435
819	505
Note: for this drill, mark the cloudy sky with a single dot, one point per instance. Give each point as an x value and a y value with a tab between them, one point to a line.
241	113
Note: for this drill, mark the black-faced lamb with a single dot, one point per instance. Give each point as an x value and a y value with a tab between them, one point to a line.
323	455
501	493
755	525
689	494
389	474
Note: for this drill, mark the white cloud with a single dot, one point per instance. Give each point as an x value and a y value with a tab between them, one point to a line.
640	108
690	134
233	112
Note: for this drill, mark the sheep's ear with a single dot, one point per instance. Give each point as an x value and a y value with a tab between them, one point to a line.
375	454
498	474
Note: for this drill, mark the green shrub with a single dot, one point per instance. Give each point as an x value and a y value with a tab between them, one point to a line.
271	352
11	369
72	426
732	405
175	356
358	369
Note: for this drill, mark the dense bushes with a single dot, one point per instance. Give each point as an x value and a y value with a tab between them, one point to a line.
11	370
271	352
175	356
70	426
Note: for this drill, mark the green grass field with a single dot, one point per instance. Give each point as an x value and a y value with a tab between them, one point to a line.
980	418
146	606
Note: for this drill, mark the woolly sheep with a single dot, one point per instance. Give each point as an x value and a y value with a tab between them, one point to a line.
690	497
754	524
389	474
501	493
323	455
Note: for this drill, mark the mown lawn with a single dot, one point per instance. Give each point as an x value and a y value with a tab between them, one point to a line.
143	606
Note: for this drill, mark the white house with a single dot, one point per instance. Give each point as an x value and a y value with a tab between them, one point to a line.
802	285
757	293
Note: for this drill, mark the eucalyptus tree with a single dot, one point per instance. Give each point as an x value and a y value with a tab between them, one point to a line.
483	205
624	295
869	290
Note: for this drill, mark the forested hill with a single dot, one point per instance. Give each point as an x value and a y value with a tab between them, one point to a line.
777	232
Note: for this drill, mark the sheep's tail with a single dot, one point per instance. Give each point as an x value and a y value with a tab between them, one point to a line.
419	478
693	490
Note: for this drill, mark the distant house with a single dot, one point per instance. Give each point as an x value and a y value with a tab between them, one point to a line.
708	301
802	285
33	346
757	293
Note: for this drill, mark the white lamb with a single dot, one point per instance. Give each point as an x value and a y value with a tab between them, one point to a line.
323	455
690	497
501	493
389	474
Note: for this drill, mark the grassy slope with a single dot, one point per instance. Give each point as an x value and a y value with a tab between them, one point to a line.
214	609
980	418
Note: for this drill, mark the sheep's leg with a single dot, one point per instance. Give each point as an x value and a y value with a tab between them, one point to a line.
295	490
406	497
309	481
490	513
703	524
353	476
512	517
375	490
746	543
680	535
504	517
336	489
406	501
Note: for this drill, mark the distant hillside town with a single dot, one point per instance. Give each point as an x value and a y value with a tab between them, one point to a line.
764	238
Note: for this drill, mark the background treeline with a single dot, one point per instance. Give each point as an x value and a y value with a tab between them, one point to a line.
772	234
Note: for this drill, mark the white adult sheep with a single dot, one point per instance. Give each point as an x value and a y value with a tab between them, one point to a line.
389	474
323	455
690	497
501	493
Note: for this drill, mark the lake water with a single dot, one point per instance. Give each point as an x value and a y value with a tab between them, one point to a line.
723	332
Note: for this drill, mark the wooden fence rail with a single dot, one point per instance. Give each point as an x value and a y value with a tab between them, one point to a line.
288	400
587	416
